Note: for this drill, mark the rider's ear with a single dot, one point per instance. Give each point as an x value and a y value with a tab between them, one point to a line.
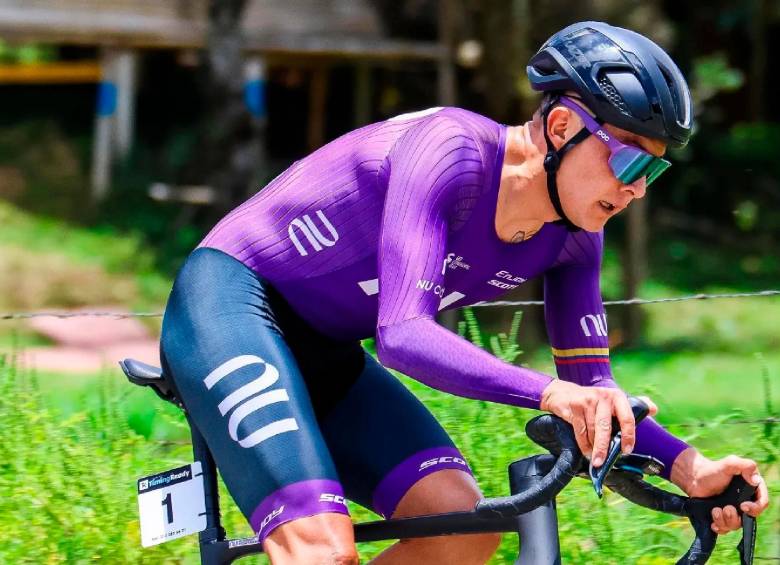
558	122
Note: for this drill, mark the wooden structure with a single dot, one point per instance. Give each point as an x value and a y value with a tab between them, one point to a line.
284	32
330	28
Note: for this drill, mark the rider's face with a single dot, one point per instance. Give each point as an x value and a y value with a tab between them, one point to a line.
589	191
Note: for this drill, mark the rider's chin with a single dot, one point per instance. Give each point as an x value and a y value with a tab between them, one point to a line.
590	223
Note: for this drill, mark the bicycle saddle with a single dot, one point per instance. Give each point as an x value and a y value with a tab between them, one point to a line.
143	374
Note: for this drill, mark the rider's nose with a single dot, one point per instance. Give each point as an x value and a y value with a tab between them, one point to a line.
636	189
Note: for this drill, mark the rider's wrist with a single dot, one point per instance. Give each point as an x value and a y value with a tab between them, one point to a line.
684	468
547	392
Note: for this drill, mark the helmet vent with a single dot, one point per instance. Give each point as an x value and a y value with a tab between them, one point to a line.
672	90
613	95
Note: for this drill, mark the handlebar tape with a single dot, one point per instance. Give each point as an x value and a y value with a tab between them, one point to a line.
699	511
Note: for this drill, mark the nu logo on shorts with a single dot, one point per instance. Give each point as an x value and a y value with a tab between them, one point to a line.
312	233
245	399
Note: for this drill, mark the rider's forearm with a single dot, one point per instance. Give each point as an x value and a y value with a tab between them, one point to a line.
653	439
445	361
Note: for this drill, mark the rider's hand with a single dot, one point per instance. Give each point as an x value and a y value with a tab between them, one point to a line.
702	477
590	410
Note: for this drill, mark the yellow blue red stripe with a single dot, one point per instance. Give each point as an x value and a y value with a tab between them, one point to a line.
581	355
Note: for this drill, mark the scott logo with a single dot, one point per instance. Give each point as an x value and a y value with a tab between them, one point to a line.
271	516
325	497
597	321
602	134
439	460
312	233
246	401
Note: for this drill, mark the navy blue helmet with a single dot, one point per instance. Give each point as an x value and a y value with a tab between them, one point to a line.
623	77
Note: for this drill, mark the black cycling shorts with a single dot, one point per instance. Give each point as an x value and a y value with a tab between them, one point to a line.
296	421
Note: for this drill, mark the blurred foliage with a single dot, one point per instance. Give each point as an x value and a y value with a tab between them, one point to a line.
714	218
26	53
712	74
50	263
502	345
723	190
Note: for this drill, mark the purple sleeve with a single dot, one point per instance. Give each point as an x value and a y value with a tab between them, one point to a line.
427	166
577	327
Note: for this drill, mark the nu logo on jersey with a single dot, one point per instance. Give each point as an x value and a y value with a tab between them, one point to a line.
312	233
595	322
245	400
371	288
424	285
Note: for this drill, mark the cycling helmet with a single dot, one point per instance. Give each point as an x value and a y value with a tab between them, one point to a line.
622	77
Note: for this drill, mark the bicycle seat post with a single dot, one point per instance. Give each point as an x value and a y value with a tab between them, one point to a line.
538	529
214	530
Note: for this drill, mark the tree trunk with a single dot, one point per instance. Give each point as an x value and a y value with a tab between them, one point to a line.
228	151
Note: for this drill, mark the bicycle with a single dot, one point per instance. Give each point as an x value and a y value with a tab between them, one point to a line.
529	511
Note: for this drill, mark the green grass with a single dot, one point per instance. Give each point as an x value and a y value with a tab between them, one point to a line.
50	263
69	434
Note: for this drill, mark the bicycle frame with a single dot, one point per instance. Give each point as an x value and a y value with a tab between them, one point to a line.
529	511
538	529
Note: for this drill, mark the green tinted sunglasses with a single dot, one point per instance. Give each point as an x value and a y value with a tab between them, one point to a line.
628	162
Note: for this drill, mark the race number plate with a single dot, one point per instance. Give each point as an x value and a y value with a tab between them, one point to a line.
171	504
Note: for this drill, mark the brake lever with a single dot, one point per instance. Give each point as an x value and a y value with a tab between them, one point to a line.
599	474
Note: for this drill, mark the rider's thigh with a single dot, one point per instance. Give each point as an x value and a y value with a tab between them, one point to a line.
323	538
383	440
448	490
225	352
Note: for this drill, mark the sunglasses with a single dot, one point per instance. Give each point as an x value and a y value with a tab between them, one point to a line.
628	162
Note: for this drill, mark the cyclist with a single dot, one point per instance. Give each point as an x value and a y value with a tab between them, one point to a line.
374	233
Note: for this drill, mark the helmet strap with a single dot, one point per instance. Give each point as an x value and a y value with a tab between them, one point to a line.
552	162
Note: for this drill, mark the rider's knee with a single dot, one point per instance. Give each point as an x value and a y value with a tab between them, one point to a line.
333	552
324	554
344	557
323	538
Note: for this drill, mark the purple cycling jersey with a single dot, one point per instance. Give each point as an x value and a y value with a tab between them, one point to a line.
380	229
